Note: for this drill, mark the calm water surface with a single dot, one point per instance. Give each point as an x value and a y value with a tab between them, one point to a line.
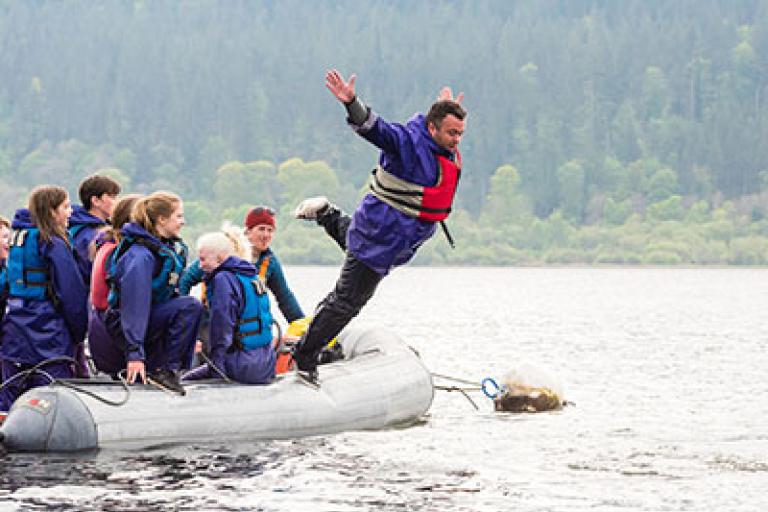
666	367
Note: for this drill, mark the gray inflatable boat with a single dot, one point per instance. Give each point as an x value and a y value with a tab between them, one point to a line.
380	383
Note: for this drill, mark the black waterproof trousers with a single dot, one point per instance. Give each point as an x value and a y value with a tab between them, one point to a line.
353	289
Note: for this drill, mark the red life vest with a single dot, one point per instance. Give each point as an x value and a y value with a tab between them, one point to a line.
437	201
424	203
99	285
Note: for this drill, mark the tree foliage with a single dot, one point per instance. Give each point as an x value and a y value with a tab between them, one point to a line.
588	120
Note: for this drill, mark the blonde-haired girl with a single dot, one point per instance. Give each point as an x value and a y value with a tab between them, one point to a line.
240	322
157	327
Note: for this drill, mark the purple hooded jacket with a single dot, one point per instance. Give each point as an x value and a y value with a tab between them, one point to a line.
379	235
35	330
255	366
83	237
134	272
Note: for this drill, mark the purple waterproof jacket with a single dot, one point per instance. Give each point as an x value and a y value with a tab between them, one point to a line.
379	235
83	236
35	330
134	272
255	366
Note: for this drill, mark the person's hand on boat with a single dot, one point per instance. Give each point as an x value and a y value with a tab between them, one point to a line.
343	90
136	369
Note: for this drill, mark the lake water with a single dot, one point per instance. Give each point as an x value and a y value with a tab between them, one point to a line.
666	368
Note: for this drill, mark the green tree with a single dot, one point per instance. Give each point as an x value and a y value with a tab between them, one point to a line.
698	213
300	180
239	183
670	208
616	212
216	152
662	185
571	181
505	202
655	93
625	133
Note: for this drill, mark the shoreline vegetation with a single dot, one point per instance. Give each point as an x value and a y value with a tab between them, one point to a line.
720	238
674	230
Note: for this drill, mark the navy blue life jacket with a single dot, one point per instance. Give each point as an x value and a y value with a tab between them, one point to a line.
28	273
165	281
254	323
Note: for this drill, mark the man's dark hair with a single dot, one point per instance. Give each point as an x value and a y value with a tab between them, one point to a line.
96	186
442	108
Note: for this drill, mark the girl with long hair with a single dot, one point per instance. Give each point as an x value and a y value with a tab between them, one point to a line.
157	327
46	316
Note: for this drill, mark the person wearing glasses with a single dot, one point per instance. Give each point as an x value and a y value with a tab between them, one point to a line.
412	190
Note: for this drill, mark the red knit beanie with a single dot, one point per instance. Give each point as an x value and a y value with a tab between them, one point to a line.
260	215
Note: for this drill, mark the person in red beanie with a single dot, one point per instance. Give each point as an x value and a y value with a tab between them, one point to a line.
260	228
260	224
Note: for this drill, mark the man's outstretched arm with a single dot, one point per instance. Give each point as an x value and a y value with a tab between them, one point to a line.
345	92
390	137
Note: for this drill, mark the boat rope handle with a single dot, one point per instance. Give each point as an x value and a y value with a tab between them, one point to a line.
74	387
67	383
25	374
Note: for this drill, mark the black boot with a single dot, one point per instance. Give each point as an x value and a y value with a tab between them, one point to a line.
167	380
310	378
306	366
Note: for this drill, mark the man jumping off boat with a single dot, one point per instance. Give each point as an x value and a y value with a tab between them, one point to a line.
413	188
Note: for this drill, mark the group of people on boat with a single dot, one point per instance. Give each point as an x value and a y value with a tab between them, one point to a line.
114	270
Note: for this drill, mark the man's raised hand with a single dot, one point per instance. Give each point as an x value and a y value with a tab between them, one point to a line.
447	94
344	91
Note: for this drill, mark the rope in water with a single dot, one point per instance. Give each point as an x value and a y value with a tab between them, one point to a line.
454	379
473	386
463	391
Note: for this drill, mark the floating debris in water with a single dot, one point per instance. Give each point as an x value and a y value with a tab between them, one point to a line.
528	400
529	388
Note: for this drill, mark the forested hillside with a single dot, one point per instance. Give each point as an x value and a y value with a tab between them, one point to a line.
599	131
